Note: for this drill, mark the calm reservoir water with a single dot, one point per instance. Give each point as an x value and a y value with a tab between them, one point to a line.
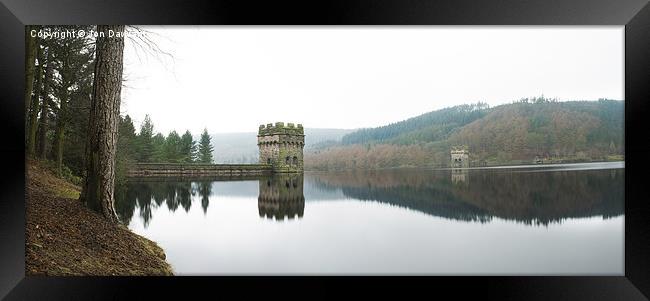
522	220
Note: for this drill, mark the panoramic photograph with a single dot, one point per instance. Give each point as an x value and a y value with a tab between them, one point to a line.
315	150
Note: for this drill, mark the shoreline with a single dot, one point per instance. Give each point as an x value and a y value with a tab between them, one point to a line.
544	165
503	166
64	238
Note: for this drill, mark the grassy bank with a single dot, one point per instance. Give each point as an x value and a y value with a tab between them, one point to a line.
62	237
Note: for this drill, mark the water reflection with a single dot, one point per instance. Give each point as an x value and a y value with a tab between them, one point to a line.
500	221
205	189
531	197
281	196
153	194
459	175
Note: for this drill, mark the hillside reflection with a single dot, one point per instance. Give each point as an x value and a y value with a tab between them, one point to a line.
530	197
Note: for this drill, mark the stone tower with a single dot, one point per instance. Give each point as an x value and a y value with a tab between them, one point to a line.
459	157
281	146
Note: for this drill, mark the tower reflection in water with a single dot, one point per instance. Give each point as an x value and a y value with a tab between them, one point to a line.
458	176
281	196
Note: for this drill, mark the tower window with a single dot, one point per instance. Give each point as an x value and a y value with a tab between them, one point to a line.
268	161
287	159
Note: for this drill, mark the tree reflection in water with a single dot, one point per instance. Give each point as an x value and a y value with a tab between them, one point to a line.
532	197
147	195
204	189
280	196
526	196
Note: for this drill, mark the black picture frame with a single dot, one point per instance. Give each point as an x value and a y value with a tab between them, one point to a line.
634	14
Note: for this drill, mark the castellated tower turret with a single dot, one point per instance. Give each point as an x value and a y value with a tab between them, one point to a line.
282	146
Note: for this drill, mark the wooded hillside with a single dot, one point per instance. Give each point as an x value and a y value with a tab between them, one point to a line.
520	132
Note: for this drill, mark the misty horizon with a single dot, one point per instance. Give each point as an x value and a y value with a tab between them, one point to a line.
232	79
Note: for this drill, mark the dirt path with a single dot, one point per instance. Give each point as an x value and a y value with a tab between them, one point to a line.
62	237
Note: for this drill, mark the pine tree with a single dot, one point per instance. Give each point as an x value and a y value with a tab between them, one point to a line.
73	55
145	147
188	148
35	106
158	148
205	148
172	148
98	188
31	51
125	146
45	109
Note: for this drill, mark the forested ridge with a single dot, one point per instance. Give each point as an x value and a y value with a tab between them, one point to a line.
431	126
519	132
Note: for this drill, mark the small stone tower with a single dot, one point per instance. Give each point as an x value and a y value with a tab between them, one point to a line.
459	157
281	146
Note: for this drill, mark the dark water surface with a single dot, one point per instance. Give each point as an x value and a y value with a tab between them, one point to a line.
530	220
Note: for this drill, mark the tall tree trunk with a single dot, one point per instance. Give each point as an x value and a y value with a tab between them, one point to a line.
62	116
30	58
45	96
98	189
58	147
35	107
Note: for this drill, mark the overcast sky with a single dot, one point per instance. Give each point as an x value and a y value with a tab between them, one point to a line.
232	79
